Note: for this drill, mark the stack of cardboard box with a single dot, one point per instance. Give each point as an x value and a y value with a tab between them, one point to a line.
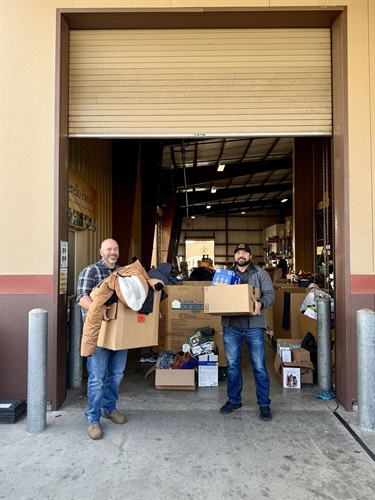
182	314
298	369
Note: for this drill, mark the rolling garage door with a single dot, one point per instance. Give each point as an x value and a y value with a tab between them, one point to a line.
200	82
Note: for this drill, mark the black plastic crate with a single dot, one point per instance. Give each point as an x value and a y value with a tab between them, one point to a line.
11	410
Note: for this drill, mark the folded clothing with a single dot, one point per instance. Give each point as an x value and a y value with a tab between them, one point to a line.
326	395
165	360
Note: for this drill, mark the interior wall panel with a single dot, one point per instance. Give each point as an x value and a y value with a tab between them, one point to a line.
90	160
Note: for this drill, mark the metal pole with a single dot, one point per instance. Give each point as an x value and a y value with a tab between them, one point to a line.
365	368
324	344
75	334
37	371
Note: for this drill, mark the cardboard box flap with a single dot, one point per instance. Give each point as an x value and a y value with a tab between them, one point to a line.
296	364
299	364
150	370
277	363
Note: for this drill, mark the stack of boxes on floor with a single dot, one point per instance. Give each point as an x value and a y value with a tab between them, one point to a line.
192	308
293	363
291	322
181	327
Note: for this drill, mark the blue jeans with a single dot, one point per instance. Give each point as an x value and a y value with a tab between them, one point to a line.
106	370
254	340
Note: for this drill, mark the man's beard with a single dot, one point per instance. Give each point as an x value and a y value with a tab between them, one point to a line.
112	260
242	262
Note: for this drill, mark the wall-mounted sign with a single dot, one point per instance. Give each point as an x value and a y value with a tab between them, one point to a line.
64	254
82	203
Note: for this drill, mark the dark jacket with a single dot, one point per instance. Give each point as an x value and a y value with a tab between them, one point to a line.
261	279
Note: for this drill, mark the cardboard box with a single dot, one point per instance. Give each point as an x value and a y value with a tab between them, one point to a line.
182	314
232	300
127	329
175	380
293	301
305	369
208	376
287	344
225	277
208	370
300	354
206	348
310	325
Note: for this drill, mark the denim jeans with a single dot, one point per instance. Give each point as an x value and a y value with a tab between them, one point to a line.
106	370
254	340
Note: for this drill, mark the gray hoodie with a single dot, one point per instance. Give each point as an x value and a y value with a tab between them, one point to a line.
259	278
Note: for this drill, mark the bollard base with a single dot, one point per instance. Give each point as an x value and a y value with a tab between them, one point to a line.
11	410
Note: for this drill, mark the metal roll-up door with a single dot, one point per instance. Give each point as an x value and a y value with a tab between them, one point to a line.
200	82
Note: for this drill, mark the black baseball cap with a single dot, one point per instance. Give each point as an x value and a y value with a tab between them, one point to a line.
243	246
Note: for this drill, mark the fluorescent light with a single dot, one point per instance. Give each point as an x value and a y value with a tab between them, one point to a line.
243	213
208	207
284	200
192	217
220	168
213	189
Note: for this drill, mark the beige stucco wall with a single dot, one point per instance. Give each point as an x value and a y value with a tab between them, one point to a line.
27	125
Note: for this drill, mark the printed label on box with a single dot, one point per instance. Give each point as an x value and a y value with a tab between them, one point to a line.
292	378
186	305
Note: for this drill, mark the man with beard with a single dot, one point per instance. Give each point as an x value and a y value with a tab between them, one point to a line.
249	328
105	367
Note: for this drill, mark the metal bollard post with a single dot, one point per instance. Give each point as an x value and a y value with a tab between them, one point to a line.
365	368
37	371
324	344
75	334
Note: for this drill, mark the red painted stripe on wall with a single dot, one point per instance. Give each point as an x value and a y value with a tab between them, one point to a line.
26	285
362	284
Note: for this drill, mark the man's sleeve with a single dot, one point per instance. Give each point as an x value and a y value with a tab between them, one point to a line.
86	282
267	291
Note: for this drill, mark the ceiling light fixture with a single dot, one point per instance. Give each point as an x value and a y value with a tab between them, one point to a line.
213	190
192	217
243	213
284	200
208	207
220	168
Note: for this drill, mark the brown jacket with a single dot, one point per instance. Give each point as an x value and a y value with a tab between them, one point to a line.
100	295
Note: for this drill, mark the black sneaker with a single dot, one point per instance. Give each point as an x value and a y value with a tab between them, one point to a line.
229	407
265	413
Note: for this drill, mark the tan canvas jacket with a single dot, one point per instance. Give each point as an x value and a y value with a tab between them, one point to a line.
100	295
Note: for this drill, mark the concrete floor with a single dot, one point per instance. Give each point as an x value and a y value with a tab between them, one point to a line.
176	445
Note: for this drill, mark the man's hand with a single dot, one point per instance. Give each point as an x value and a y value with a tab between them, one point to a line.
105	309
154	281
257	308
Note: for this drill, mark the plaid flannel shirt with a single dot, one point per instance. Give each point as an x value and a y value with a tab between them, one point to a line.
90	277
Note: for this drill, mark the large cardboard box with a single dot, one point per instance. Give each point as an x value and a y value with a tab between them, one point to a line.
177	380
127	329
230	299
286	312
182	314
305	369
301	354
310	325
208	370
